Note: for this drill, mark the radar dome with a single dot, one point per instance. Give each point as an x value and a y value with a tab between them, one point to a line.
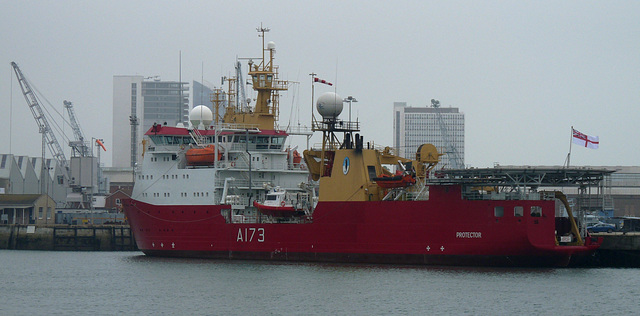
329	105
201	115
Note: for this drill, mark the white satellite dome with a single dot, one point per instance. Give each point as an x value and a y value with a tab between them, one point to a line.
329	105
201	115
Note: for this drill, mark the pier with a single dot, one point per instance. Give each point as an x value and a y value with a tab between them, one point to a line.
618	250
67	238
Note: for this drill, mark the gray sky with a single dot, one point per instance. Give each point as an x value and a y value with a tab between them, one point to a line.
523	72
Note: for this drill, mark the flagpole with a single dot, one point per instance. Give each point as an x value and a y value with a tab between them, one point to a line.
313	118
569	154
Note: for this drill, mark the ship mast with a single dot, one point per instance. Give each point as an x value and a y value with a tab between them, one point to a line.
264	78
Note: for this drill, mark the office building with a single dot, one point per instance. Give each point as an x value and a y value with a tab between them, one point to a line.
138	103
441	126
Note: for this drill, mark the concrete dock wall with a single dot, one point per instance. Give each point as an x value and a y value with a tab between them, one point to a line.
65	237
619	250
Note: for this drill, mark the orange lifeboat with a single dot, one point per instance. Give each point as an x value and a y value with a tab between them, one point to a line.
398	181
294	155
297	158
202	156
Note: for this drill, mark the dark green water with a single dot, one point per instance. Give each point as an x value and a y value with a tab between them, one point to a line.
117	283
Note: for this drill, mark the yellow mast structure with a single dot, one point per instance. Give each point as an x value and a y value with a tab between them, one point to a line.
264	77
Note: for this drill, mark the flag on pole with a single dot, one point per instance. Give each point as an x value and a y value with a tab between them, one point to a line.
322	81
585	140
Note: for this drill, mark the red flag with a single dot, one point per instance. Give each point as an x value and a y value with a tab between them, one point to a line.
322	81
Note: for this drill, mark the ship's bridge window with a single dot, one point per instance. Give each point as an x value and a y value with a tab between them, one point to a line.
276	142
272	197
262	142
239	139
536	211
498	211
518	211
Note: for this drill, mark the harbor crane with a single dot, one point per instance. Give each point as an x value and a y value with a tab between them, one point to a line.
81	172
48	136
79	146
455	160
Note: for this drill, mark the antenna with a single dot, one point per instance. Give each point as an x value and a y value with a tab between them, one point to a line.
262	30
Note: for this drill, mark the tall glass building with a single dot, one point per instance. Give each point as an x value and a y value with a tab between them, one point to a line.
441	126
138	103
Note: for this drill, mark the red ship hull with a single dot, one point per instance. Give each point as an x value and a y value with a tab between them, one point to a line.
444	230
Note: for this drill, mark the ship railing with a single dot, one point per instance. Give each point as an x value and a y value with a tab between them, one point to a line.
336	126
236	127
243	219
497	196
242	183
299	130
280	85
260	165
328	146
242	147
297	166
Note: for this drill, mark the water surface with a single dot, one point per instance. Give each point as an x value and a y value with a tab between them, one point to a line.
109	283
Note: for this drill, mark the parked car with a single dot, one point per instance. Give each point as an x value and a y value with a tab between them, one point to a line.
601	228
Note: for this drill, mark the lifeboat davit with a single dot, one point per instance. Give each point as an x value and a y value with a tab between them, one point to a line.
398	181
202	156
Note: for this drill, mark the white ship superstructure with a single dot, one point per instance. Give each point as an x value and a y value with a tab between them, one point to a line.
246	165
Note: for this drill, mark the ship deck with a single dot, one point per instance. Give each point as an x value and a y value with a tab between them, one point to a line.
521	177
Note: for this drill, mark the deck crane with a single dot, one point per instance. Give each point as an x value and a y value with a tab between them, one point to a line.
43	124
456	161
79	146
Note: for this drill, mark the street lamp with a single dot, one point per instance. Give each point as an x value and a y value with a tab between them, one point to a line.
350	99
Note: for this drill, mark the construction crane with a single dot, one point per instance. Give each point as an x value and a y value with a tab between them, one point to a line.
454	157
79	146
45	128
